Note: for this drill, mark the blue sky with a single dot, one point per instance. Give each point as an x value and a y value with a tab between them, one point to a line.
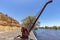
19	9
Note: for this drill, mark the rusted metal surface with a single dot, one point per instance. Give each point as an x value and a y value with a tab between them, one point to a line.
32	26
25	33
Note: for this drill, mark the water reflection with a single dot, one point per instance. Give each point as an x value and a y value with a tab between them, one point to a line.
46	34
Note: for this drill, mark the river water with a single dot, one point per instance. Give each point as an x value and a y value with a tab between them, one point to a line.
47	34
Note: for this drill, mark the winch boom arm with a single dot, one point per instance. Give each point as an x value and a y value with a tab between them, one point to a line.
32	26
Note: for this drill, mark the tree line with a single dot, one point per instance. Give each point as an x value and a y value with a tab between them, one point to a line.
28	21
50	27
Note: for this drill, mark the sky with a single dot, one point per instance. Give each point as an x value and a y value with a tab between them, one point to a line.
20	9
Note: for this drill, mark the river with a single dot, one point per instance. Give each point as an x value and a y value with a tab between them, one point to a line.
47	34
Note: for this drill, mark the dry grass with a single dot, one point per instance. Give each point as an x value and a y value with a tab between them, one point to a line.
8	24
8	28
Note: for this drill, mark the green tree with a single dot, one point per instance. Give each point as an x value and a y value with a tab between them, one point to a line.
55	27
46	27
28	21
